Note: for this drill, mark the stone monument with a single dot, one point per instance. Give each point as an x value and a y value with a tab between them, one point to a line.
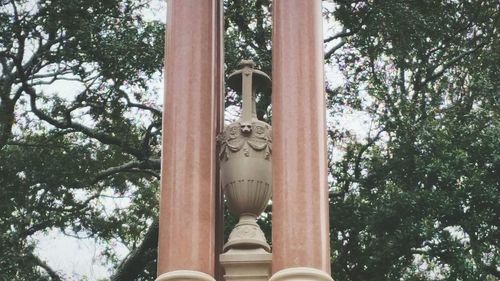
189	218
246	179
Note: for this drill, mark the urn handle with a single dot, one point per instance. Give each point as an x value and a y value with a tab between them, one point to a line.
248	81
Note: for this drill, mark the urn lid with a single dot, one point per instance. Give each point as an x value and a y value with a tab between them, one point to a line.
248	81
260	80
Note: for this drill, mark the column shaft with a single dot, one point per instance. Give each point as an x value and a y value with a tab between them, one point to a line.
220	94
187	204
300	193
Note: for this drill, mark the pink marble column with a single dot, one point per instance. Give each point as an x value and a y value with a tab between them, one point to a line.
188	174
220	94
300	194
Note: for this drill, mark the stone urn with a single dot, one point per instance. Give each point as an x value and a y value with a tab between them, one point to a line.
245	161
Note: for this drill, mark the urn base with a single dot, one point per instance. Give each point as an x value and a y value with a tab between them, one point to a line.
247	235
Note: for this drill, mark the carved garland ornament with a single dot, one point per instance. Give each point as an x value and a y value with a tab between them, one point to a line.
245	139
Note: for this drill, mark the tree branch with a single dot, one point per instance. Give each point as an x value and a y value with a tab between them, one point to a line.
129	166
329	53
52	273
343	33
137	105
357	169
136	261
69	124
493	271
433	75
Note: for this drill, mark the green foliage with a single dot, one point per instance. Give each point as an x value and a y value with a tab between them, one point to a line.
248	36
85	159
416	199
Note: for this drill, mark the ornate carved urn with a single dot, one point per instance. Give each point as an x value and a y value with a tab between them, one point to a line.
245	159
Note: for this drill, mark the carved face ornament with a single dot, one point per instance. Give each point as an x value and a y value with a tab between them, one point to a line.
246	128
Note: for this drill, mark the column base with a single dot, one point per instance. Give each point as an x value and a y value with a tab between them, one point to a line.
246	264
184	275
301	274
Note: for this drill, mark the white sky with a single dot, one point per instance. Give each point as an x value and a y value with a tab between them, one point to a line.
74	258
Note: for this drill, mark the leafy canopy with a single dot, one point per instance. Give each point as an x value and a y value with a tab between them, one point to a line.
414	194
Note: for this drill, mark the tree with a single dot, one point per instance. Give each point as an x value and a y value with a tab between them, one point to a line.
417	199
109	52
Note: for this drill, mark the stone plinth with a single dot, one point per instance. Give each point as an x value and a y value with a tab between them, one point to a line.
246	265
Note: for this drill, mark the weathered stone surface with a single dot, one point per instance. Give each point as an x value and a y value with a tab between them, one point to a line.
245	161
300	190
246	265
187	204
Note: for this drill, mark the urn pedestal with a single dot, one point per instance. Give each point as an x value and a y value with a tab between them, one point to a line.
246	264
